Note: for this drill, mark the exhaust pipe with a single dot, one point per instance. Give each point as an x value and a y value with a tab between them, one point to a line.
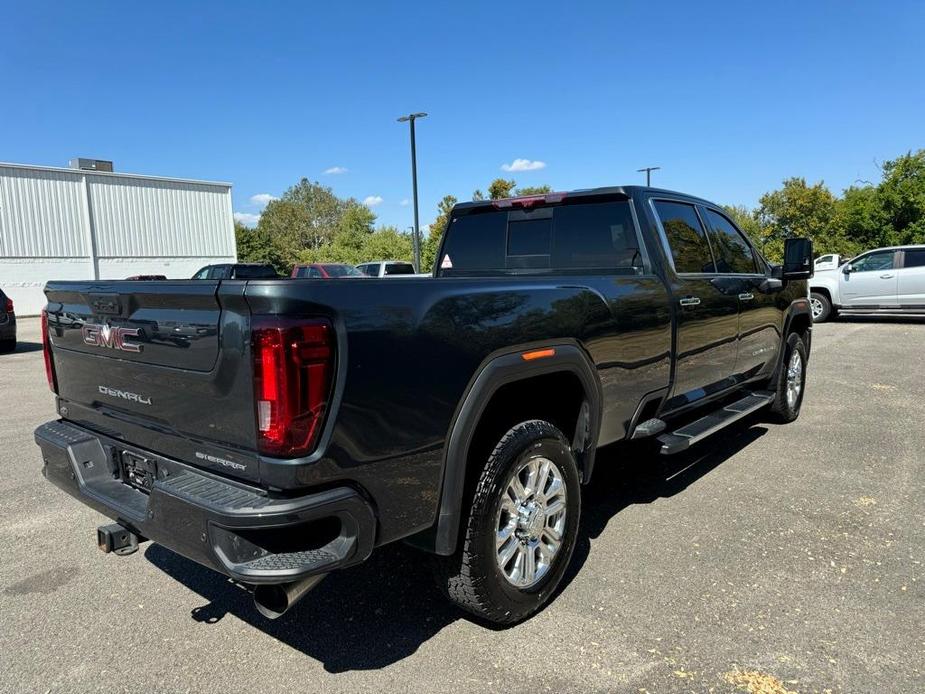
274	600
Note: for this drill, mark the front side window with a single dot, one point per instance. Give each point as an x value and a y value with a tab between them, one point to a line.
915	258
372	269
733	254
882	260
685	236
202	274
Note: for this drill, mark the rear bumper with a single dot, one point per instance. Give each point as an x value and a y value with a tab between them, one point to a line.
237	530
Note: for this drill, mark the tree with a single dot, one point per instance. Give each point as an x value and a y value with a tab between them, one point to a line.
388	243
256	246
795	210
534	190
501	188
435	233
901	195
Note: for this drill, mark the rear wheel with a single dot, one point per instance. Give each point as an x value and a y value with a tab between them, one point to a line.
821	307
7	345
791	381
521	529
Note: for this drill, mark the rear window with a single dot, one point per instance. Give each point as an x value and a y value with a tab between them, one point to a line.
399	269
914	258
570	237
251	272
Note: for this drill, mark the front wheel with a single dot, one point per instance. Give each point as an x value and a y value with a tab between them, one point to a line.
821	307
521	529
791	381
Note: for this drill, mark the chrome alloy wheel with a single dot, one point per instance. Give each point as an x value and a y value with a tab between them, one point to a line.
816	307
531	522
794	379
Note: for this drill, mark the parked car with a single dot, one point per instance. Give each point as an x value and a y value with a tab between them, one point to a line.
147	278
827	262
385	268
309	423
7	324
237	271
326	271
884	280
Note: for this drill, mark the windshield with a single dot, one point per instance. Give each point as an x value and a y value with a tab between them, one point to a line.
342	271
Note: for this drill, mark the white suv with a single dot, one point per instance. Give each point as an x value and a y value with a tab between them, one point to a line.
885	280
386	268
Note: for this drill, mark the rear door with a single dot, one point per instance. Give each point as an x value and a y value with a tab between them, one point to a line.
911	279
872	281
162	365
706	305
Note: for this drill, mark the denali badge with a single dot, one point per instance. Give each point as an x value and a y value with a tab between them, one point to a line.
110	337
125	395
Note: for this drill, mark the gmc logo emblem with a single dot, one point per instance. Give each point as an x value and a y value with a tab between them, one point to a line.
110	337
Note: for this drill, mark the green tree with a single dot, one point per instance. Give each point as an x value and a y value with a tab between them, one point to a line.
256	246
501	188
387	243
901	195
534	190
795	210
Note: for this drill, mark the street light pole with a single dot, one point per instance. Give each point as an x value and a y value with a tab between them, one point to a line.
416	236
649	170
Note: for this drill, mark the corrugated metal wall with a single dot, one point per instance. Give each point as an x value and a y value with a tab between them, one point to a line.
70	224
42	214
137	217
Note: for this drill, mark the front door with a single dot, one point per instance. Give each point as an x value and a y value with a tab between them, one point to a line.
706	306
760	318
872	281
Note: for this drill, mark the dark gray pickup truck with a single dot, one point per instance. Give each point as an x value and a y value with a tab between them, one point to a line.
279	430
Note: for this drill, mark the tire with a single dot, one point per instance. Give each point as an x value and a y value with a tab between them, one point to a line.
786	407
476	577
7	346
821	307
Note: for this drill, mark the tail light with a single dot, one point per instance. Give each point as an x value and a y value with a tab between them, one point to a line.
8	305
528	200
293	368
46	352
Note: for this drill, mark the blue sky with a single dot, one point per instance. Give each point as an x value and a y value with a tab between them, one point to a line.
728	100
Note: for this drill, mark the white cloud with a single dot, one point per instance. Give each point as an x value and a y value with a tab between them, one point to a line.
524	165
262	198
405	202
372	200
335	170
246	218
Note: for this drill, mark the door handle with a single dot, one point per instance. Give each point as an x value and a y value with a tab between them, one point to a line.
690	301
746	297
886	276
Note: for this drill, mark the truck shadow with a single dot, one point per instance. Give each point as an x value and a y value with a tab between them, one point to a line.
382	611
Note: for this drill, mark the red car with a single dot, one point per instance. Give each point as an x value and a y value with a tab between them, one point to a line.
326	271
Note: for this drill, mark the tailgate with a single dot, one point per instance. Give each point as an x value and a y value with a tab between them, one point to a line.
159	365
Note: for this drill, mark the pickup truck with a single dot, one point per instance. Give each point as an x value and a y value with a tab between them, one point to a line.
280	430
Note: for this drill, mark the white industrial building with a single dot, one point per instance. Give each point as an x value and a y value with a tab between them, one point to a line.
78	224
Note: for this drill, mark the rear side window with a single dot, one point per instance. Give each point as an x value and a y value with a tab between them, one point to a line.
733	254
685	236
599	235
914	258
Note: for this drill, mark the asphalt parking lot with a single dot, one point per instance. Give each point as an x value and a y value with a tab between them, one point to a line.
790	552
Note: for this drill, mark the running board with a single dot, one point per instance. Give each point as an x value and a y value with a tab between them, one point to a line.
686	436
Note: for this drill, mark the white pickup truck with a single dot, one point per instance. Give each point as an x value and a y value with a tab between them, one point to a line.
884	280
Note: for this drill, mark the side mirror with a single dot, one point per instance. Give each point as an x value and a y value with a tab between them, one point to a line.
798	259
847	269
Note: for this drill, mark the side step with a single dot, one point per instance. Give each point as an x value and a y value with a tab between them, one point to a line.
686	436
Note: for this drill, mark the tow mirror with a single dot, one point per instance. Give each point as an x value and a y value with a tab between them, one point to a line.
798	259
